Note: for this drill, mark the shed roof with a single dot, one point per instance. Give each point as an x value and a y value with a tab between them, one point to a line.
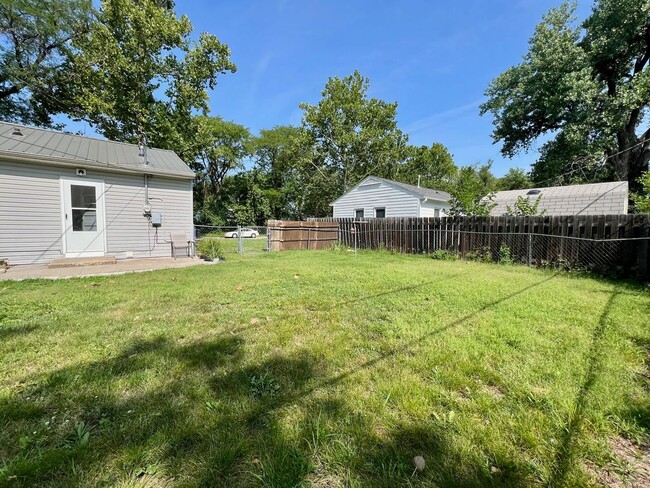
32	144
419	191
590	199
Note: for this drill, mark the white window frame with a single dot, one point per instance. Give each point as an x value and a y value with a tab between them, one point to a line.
363	213
380	208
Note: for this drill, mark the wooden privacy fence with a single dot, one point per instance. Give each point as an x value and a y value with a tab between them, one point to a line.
284	235
608	243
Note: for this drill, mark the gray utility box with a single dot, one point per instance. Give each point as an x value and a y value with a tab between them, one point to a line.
156	219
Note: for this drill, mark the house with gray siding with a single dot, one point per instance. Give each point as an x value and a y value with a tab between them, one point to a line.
65	195
375	197
609	198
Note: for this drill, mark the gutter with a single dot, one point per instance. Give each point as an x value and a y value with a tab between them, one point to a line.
72	163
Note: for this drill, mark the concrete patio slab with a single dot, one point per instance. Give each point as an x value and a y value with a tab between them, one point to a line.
123	266
73	262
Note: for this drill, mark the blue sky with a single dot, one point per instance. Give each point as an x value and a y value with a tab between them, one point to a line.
434	58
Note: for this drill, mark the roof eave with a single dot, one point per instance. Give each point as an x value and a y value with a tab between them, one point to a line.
74	163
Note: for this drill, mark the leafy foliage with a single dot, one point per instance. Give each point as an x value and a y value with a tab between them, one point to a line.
523	207
210	248
221	147
444	255
138	70
432	167
351	136
587	86
642	198
472	191
505	254
35	38
515	179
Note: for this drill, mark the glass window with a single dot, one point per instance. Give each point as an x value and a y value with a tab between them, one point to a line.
358	213
380	213
84	204
83	196
84	220
436	212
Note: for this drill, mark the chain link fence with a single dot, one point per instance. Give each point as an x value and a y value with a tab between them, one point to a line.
611	257
245	240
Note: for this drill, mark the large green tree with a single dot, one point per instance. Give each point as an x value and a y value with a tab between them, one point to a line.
352	136
515	179
587	87
280	155
35	40
221	147
139	71
430	166
472	189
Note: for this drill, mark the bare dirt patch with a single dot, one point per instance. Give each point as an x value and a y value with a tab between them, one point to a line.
631	467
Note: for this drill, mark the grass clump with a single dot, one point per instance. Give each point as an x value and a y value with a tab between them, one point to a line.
444	255
210	249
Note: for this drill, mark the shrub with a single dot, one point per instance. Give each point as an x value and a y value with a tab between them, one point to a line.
505	255
482	255
210	249
444	255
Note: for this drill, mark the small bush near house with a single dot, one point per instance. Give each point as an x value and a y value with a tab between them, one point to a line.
505	254
210	249
444	255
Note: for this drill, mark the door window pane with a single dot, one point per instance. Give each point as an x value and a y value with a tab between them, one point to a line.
84	220
83	196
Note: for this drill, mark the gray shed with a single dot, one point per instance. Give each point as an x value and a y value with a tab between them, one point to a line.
375	197
65	195
609	198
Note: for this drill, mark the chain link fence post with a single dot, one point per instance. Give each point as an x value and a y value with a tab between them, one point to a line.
530	249
240	243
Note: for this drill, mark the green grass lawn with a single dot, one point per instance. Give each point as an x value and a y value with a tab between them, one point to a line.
319	368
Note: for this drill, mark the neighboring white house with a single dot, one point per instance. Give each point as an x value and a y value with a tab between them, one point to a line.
376	197
64	195
609	198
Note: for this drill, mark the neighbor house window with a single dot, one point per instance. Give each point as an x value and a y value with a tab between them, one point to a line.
436	212
358	213
380	213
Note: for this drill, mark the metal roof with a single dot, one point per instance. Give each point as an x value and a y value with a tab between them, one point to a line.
32	145
419	191
590	199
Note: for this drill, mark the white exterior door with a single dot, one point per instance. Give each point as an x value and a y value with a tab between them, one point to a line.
84	218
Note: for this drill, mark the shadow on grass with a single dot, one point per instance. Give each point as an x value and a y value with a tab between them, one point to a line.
208	423
13	331
565	455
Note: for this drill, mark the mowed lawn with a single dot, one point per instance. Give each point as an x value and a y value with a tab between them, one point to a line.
319	368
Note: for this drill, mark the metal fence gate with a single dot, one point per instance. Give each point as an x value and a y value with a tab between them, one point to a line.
243	240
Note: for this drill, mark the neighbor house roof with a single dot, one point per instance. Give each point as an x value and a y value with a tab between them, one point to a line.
35	145
591	199
419	191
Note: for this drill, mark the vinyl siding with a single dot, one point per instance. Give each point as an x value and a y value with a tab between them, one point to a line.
30	212
428	209
397	203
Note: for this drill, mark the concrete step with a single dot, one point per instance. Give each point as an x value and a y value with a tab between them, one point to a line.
72	262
